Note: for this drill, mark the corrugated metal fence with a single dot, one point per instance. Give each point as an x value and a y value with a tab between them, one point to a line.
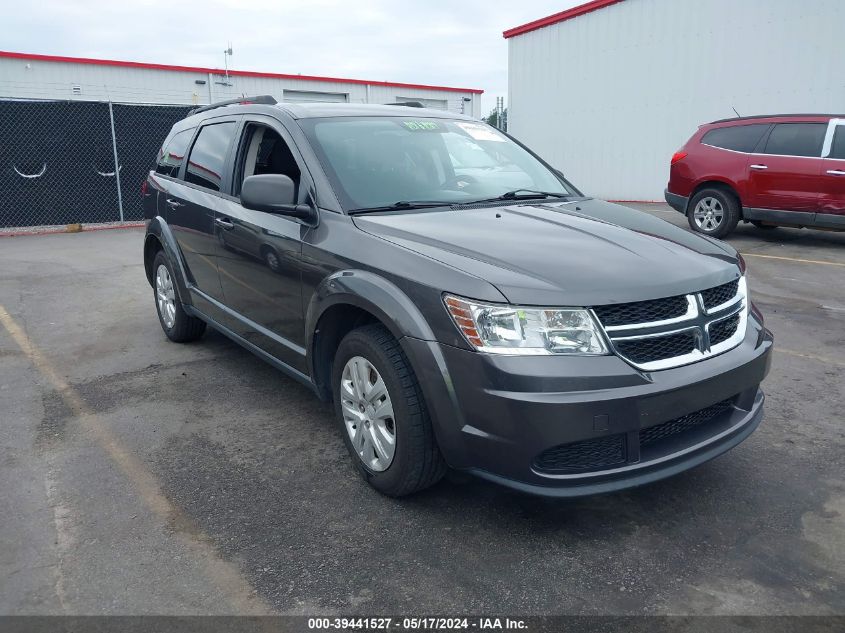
65	162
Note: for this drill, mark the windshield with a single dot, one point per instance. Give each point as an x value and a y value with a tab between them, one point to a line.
378	162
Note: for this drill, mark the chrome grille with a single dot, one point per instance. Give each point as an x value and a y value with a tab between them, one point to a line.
646	350
642	311
664	333
715	297
723	330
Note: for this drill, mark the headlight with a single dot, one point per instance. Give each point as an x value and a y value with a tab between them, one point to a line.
506	329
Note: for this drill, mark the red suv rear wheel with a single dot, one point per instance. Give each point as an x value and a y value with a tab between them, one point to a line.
713	212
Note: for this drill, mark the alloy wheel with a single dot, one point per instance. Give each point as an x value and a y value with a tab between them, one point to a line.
165	297
708	214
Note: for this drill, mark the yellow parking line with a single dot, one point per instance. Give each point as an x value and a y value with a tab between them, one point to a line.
225	575
794	259
822	359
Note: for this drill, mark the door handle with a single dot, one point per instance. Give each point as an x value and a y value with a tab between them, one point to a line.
175	203
836	172
759	166
224	224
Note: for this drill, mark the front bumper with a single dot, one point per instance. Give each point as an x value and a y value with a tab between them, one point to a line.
678	203
494	415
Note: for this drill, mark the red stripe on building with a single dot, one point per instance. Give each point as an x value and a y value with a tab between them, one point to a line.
574	12
218	71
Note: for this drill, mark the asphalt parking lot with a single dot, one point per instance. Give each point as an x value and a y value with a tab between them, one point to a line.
141	476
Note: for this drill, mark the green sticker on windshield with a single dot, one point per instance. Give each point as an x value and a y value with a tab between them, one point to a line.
421	126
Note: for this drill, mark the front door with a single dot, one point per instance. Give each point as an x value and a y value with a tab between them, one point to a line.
832	207
259	254
785	175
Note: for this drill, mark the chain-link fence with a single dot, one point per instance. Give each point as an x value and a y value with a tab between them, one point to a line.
65	162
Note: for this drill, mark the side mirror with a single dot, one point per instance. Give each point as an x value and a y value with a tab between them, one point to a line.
273	193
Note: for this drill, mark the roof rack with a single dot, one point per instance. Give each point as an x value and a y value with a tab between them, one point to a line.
408	104
771	116
264	99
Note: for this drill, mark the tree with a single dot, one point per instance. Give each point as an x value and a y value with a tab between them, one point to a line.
493	119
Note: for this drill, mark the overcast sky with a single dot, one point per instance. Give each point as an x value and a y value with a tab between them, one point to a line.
457	43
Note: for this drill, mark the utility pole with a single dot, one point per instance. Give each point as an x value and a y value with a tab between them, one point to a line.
500	110
226	55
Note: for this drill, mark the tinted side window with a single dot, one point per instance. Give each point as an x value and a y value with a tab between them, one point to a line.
170	157
837	150
740	138
208	156
796	139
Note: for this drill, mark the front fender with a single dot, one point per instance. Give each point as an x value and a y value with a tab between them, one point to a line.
395	309
372	293
159	230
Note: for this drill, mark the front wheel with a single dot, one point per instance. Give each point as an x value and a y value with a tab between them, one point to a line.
713	212
382	414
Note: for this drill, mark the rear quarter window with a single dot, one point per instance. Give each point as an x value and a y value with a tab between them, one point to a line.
739	138
172	153
837	149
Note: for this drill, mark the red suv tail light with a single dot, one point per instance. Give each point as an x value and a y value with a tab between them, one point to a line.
678	156
144	188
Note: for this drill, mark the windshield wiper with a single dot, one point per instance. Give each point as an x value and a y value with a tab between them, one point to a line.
521	194
403	204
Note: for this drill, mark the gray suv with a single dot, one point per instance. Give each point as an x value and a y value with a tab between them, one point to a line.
460	302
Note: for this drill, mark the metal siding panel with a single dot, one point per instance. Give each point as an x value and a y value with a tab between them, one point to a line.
609	96
53	80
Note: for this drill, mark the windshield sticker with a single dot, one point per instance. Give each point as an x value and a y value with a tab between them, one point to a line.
421	126
480	132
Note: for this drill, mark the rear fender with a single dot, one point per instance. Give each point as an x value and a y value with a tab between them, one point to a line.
159	230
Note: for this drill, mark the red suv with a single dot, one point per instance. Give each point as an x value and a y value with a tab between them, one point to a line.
777	170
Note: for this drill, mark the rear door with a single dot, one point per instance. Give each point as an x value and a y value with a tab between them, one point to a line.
785	174
168	170
260	253
191	203
832	208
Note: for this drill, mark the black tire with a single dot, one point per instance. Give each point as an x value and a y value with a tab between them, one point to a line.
725	201
765	227
185	328
417	462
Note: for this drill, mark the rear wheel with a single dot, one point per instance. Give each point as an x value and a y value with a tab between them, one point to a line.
177	324
382	414
713	212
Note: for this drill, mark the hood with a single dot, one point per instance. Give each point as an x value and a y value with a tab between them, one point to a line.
582	253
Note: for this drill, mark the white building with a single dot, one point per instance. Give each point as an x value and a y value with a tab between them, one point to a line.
28	76
607	91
